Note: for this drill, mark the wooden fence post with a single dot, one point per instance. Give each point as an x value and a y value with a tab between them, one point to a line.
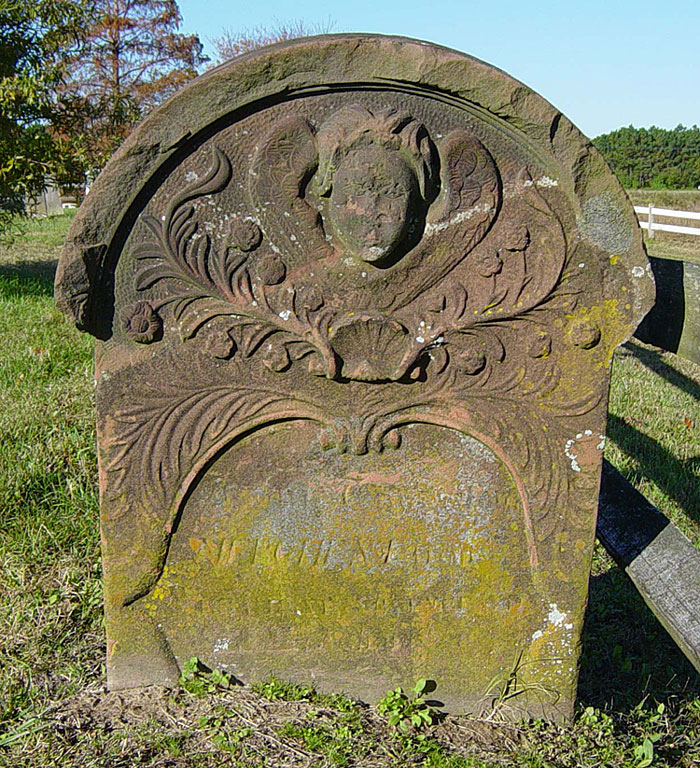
662	564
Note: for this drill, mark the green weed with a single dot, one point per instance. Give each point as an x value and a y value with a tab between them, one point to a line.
408	712
277	690
198	679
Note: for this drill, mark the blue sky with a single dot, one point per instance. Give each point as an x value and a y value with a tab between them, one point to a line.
605	64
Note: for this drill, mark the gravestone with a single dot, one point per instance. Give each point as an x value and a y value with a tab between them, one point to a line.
355	301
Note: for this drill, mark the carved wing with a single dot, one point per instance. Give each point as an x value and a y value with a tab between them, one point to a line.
470	190
468	203
286	160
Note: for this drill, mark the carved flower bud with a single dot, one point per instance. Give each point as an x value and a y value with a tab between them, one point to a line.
436	303
271	269
415	373
392	439
539	344
276	358
470	358
308	297
245	235
327	439
517	237
220	344
584	333
317	366
487	263
141	323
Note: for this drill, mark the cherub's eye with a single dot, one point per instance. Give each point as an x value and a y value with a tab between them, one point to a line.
359	187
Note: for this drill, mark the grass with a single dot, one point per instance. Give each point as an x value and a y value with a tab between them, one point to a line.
639	699
680	199
671	245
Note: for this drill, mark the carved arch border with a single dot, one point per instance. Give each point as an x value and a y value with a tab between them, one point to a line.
227	441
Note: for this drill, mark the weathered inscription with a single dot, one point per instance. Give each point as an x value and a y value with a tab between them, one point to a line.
315	553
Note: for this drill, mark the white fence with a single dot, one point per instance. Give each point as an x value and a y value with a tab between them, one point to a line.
652	225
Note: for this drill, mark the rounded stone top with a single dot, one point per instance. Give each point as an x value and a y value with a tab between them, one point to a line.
306	67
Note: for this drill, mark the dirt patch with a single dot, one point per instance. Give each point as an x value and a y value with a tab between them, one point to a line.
170	727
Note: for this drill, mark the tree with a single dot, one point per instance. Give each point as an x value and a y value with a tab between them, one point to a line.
232	44
135	59
653	157
35	37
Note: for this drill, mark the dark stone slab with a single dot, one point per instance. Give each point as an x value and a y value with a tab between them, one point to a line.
674	321
356	300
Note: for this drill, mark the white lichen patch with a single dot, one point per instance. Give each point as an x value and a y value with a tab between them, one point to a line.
555	616
432	229
545	181
555	619
637	271
568	448
222	644
285	314
573	457
191	176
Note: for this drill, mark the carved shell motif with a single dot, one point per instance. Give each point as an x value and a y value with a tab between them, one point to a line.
371	348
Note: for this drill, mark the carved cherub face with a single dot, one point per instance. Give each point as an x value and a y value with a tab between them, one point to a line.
373	193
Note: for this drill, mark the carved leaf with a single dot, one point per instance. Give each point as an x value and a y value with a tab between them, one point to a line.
160	439
197	282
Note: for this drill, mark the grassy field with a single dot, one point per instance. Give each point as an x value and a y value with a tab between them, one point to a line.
639	699
671	245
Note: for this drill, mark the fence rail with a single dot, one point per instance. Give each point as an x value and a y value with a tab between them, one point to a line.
652	225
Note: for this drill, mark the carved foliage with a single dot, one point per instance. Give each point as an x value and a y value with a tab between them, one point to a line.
200	280
198	283
174	423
